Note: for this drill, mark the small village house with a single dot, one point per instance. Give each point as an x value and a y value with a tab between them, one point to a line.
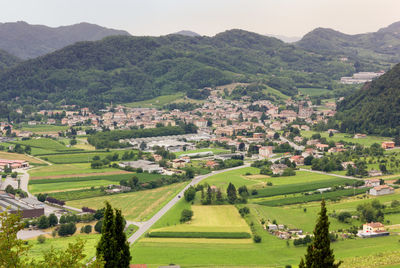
388	145
381	190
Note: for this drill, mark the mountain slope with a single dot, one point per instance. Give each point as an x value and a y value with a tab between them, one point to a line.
187	33
7	60
29	41
375	108
378	47
126	69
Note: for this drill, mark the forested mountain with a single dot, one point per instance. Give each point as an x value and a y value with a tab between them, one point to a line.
7	60
375	108
380	48
125	68
29	41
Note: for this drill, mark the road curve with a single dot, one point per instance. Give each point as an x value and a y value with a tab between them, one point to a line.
146	225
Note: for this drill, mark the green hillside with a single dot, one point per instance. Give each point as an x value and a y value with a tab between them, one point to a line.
128	69
375	108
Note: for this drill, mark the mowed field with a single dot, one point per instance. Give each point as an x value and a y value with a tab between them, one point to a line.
135	206
61	171
214	150
13	156
68	183
211	219
368	141
61	243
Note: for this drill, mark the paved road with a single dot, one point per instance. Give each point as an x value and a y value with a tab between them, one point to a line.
330	174
146	225
294	145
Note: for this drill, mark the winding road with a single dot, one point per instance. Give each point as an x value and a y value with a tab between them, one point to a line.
145	226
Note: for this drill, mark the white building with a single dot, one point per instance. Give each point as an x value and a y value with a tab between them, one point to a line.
381	190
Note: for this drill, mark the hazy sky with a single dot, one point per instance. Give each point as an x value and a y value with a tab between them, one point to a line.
208	17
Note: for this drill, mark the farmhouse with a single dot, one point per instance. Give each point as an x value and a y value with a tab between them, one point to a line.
298	159
178	163
373	229
278	168
372	182
374	173
265	151
381	190
13	163
388	144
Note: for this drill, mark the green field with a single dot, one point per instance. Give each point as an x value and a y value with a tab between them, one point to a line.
135	206
214	150
314	91
61	184
368	141
14	156
211	219
67	169
45	143
157	102
40	129
237	177
61	243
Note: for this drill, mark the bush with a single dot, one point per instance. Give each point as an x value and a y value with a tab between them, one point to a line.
41	239
186	215
190	194
257	239
87	229
343	216
67	229
223	235
42	197
98	226
43	222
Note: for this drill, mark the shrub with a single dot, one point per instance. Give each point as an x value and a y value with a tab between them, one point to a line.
41	239
186	215
190	194
43	222
67	229
87	229
257	239
343	216
98	226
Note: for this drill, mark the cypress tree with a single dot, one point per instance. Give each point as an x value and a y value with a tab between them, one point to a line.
122	246
231	193
319	252
106	248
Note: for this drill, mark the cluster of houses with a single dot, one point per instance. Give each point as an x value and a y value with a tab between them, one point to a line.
13	164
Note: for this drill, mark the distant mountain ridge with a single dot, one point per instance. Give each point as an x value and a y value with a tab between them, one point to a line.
127	68
28	41
381	46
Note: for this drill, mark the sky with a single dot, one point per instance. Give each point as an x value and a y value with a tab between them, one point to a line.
208	17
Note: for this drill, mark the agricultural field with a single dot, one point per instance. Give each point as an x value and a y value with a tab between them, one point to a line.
135	206
368	141
272	251
61	184
43	129
14	156
211	219
44	143
314	91
157	102
61	243
214	150
78	157
237	177
64	170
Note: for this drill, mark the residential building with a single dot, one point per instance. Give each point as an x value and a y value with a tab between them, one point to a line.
381	190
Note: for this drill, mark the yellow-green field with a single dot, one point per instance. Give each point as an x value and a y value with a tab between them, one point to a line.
135	206
67	169
212	219
13	156
368	141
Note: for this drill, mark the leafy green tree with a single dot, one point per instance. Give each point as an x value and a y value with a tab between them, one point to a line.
190	194
231	193
53	220
186	215
319	252
43	222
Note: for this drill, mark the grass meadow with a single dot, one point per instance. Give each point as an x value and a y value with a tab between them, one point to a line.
135	206
368	141
14	156
65	170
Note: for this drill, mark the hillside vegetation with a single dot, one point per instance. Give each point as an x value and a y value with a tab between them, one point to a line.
369	50
375	108
127	69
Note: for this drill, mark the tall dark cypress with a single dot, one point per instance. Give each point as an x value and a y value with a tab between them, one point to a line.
319	252
231	193
122	246
106	248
